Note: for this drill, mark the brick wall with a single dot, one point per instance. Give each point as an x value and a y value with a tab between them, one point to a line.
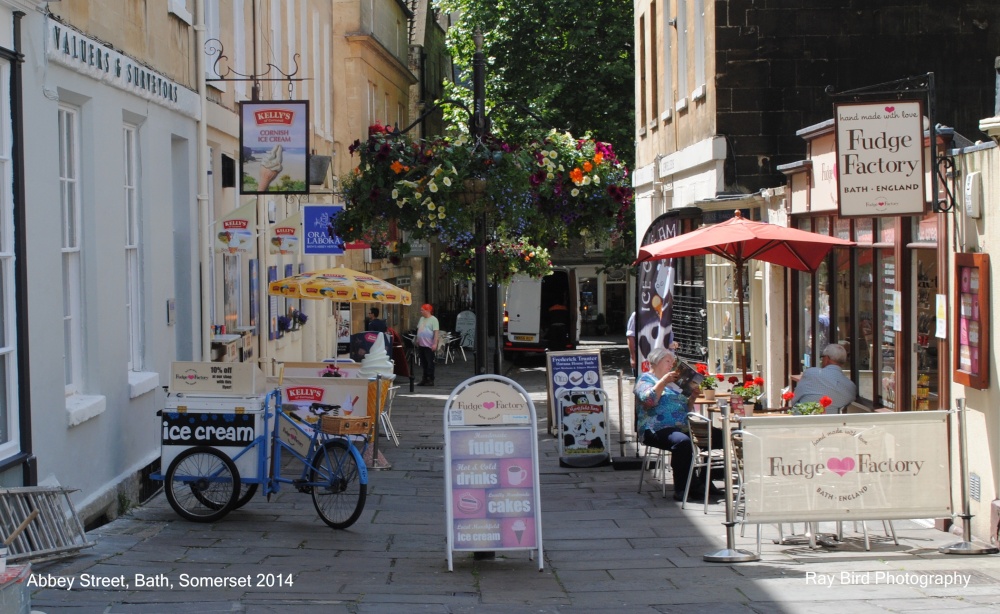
774	59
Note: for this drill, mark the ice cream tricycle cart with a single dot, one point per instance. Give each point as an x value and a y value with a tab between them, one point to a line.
224	438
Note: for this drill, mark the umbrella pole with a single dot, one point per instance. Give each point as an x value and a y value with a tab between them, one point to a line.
741	299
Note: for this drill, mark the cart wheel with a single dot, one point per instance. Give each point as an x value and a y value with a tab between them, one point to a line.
337	491
201	484
247	491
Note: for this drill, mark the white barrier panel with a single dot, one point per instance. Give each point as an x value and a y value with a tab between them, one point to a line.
847	467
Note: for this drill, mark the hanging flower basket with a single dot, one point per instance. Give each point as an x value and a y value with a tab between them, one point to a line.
547	192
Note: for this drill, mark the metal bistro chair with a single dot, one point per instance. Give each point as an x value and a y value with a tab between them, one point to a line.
702	454
386	411
662	455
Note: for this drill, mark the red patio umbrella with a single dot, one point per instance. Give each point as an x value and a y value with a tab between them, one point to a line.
739	240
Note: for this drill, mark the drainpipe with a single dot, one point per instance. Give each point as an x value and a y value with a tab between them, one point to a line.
205	245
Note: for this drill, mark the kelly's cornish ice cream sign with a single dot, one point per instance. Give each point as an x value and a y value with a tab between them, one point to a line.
851	466
274	141
880	163
71	49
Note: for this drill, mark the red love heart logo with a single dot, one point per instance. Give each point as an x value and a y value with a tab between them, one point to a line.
840	466
890	109
489	405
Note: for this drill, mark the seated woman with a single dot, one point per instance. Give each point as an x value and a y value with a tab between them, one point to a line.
662	418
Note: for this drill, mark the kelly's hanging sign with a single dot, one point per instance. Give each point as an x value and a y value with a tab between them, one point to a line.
274	141
880	162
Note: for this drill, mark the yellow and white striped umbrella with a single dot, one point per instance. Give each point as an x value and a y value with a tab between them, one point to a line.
341	285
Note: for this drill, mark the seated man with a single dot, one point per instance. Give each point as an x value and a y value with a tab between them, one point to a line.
827	380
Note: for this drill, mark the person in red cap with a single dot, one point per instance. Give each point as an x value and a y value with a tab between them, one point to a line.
428	335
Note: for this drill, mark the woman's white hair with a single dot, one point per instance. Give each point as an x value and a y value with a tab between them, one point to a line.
658	354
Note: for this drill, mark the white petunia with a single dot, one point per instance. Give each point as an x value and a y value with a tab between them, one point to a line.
446	181
575	192
395	194
432	187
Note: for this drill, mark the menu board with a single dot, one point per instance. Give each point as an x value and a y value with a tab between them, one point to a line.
568	373
492	474
492	492
972	320
968	320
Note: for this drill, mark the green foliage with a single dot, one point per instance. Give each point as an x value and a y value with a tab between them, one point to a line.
569	62
504	259
562	63
546	192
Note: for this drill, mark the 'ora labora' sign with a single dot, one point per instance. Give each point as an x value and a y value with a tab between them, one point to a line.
491	468
880	162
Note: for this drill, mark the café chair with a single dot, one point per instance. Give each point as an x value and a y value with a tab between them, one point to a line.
739	499
702	454
660	456
387	427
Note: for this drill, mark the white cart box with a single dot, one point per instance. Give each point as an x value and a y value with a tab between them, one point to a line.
228	424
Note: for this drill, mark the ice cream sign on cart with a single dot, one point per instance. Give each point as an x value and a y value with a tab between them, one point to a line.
491	468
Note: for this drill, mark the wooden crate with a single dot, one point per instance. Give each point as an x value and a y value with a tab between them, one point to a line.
337	425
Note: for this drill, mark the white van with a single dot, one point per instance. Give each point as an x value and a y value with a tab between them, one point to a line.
541	314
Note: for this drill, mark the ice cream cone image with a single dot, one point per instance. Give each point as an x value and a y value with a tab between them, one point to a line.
270	167
518	527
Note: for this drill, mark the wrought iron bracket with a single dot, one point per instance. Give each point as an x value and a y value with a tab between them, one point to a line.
221	66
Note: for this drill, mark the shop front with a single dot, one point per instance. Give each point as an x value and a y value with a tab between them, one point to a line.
879	299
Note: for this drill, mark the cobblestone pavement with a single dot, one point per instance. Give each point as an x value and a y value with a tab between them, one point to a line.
607	547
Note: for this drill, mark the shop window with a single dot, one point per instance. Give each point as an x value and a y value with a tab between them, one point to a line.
9	415
72	275
926	394
133	254
887	319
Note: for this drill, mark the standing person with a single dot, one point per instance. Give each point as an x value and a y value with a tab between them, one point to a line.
630	339
428	335
374	323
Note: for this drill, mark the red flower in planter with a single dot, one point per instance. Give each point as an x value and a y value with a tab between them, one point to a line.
825	401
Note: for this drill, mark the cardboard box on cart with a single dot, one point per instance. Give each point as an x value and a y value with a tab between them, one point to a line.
214	404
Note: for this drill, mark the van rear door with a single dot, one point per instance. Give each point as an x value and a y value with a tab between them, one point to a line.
524	303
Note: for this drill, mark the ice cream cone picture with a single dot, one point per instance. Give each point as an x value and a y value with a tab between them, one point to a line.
519	528
270	167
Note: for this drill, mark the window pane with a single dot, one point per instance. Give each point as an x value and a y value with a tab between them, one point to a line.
887	230
887	384
822	307
842	332
4	280
864	347
925	228
842	228
863	231
823	225
4	407
805	328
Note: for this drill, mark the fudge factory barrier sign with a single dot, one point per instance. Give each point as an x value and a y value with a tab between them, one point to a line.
492	490
847	467
880	162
